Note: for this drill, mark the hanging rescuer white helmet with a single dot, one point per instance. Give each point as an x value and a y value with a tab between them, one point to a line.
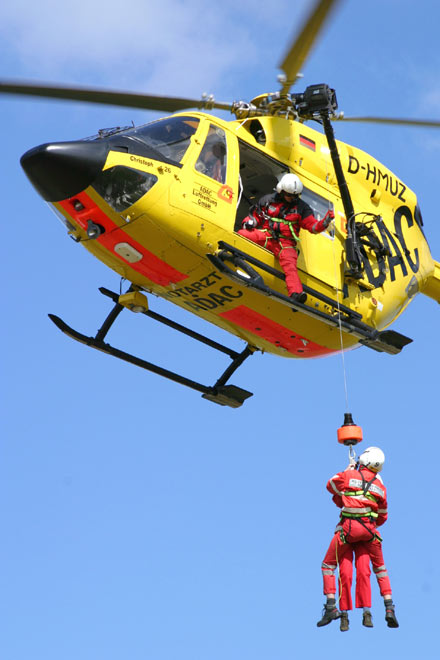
372	458
290	184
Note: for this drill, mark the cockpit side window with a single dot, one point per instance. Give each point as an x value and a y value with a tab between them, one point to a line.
122	186
212	159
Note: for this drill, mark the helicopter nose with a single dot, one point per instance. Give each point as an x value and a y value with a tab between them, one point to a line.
63	169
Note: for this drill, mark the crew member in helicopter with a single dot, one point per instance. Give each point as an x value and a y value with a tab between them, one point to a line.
275	223
360	493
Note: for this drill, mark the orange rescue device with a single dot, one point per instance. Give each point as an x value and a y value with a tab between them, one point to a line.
349	433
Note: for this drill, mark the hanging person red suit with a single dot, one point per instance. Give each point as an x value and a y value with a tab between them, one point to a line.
361	495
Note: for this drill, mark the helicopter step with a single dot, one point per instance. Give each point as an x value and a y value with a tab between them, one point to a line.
220	392
387	341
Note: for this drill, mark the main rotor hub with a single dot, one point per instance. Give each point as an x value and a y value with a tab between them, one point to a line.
316	99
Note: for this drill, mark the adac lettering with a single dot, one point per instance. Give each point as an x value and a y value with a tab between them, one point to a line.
405	212
213	300
398	255
375	175
204	197
195	297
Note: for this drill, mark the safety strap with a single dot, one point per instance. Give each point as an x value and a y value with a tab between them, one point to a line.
350	514
289	224
356	493
282	213
365	488
374	535
272	234
366	484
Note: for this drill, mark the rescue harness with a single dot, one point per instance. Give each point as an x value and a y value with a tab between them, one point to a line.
275	228
275	223
350	515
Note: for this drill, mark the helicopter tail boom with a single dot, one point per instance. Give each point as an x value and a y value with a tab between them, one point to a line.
432	286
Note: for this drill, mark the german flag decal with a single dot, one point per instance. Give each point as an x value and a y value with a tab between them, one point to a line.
307	142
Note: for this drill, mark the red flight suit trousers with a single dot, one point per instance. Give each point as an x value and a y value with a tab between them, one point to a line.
341	554
285	253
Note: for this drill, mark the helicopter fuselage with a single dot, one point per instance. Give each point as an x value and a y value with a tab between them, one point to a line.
153	213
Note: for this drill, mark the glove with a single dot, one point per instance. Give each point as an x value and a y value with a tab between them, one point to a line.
329	216
251	223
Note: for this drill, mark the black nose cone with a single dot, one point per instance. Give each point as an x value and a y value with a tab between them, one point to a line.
64	169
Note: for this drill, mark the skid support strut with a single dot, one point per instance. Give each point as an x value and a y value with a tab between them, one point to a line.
221	393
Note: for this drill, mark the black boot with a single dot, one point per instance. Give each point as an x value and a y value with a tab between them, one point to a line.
329	613
300	297
390	616
343	626
367	619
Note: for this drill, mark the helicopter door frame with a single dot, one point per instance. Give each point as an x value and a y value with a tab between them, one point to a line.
262	178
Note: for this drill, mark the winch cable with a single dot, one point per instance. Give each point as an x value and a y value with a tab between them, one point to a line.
351	451
338	305
344	372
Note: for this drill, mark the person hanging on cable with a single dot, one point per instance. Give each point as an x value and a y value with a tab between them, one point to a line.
275	223
360	493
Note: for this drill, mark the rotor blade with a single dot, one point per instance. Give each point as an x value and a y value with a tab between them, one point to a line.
107	97
423	123
296	56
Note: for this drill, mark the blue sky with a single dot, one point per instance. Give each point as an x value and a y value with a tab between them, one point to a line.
138	520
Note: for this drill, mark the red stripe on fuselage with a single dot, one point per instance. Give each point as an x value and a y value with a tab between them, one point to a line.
155	269
273	332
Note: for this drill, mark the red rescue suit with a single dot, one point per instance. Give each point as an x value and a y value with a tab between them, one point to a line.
361	495
277	224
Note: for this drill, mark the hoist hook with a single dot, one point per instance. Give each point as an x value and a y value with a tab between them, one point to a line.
351	455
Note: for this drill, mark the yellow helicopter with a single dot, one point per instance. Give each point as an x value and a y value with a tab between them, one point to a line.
161	205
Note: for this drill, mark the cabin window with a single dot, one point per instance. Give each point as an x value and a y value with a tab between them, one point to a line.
169	137
318	204
122	186
212	159
256	129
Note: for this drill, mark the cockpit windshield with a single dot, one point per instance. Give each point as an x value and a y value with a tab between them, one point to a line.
170	137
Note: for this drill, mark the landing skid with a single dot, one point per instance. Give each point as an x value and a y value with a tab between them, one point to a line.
386	341
220	392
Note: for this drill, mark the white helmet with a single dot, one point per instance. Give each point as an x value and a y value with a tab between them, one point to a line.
372	458
290	184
